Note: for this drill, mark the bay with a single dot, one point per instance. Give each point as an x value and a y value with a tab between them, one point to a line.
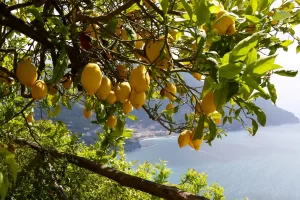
266	166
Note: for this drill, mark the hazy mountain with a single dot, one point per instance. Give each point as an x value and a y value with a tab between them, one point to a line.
146	127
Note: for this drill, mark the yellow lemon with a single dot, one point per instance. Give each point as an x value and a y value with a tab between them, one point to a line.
67	82
39	90
170	91
52	89
224	25
195	144
26	73
197	76
122	91
208	104
170	106
91	78
111	98
139	43
30	118
127	107
122	71
112	121
139	79
91	31
184	138
156	51
104	89
137	99
87	113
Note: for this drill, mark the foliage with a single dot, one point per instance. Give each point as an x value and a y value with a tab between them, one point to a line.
233	44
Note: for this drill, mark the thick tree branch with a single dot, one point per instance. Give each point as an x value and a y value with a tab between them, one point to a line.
7	19
159	190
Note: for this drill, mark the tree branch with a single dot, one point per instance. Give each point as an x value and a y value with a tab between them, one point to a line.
159	190
7	19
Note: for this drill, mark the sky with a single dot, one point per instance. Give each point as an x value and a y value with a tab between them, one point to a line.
288	89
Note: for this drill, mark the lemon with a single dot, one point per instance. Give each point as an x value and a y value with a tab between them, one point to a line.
39	90
137	99
122	91
26	73
91	31
208	104
122	71
139	43
30	118
52	89
67	82
170	91
156	51
184	138
139	79
111	98
87	113
224	24
195	144
197	76
112	121
127	107
170	106
217	121
91	78
104	89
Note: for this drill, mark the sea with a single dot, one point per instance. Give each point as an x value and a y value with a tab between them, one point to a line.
263	167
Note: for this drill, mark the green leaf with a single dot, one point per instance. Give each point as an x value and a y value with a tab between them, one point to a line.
56	110
263	4
252	19
128	133
261	116
241	50
298	48
251	57
272	92
230	70
36	14
281	15
214	74
201	11
4	187
133	8
60	67
254	127
253	84
119	129
287	43
252	7
9	158
200	128
262	65
207	87
132	117
289	73
188	8
212	131
233	89
56	21
165	6
220	97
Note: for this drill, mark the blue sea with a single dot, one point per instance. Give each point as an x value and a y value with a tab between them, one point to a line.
263	167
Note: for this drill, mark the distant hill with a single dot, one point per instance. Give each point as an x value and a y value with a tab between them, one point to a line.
145	127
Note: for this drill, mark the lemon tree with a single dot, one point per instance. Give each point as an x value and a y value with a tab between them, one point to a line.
117	56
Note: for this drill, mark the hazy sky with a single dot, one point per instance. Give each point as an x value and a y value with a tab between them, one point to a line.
288	89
